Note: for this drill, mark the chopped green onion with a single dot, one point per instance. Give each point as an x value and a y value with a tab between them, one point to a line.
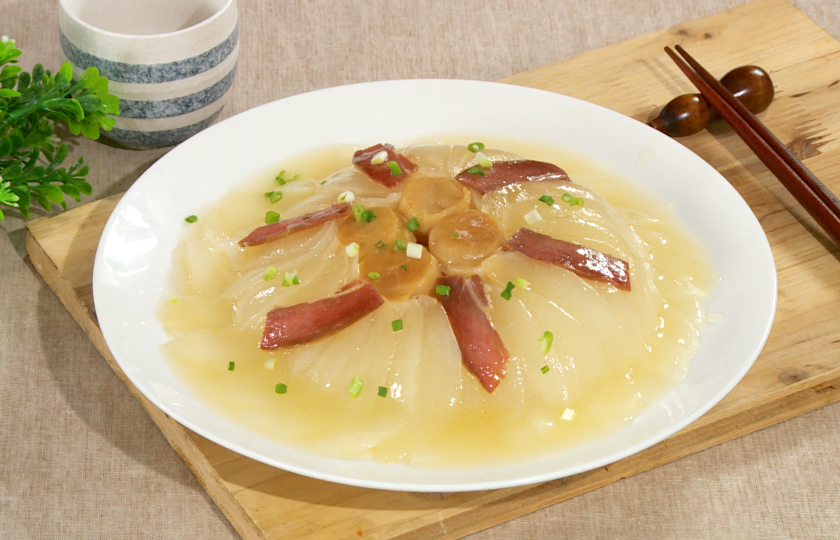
547	339
567	197
547	199
519	282
396	325
174	301
358	210
280	388
379	158
399	245
443	290
271	273
477	170
269	364
282	181
306	217
374	275
368	216
456	234
273	196
404	267
352	250
577	201
356	386
483	160
475	147
413	224
347	196
191	219
290	279
506	293
382	392
324	182
230	366
395	168
545	369
380	244
271	217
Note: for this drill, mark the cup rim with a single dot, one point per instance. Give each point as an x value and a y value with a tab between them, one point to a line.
205	22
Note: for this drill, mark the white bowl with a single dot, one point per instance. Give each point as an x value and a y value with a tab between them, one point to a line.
172	64
134	260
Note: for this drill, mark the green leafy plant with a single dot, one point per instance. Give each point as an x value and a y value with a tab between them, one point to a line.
30	154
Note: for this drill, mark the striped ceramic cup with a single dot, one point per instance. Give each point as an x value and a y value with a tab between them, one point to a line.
171	62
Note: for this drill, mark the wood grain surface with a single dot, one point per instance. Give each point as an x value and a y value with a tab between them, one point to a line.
798	370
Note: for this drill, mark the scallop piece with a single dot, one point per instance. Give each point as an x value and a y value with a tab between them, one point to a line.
387	227
397	276
429	199
462	240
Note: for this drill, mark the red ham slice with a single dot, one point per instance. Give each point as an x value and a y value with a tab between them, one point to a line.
586	262
482	350
267	233
382	172
504	173
302	323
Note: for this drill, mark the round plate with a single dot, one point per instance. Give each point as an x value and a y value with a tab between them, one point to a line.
134	259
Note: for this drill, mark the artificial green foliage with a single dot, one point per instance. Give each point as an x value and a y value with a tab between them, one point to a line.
30	154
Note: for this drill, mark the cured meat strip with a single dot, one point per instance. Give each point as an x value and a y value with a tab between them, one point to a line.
381	172
267	233
302	323
482	350
586	262
509	172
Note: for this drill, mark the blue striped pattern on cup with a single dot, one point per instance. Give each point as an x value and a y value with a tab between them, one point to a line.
161	103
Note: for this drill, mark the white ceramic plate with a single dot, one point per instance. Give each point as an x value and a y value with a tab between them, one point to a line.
133	262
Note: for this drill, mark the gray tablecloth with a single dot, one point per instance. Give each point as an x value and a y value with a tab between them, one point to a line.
80	459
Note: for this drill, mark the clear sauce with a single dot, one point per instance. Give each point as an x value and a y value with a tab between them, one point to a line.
613	354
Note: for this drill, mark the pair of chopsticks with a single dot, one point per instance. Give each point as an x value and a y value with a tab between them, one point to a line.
821	203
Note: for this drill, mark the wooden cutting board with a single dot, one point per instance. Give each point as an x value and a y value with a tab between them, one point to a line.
798	371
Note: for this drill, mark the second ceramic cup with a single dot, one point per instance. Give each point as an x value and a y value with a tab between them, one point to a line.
172	64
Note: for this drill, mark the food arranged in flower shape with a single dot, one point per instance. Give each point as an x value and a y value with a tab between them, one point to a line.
402	267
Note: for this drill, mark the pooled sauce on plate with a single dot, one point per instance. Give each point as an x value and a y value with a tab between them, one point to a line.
614	352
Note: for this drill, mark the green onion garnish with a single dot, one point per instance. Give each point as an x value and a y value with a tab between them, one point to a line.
382	392
567	197
174	301
280	388
230	366
356	386
271	217
483	160
477	170
396	326
506	293
273	196
404	267
577	201
455	235
413	224
368	216
290	279
547	199
191	219
399	245
324	182
374	275
395	168
443	290
271	273
547	339
519	282
545	369
380	244
475	147
282	181
358	210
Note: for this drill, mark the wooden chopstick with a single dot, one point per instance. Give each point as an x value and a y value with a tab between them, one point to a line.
823	206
